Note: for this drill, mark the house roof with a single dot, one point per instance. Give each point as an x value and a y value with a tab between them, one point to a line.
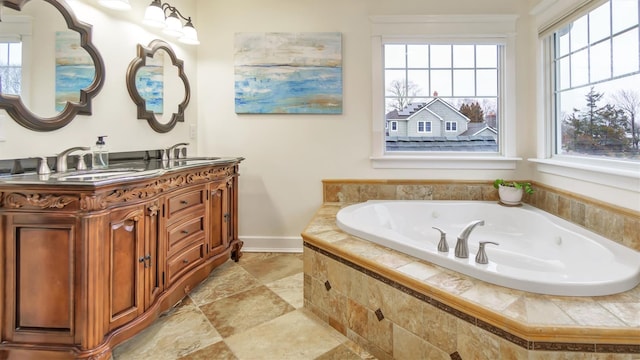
475	128
442	143
413	108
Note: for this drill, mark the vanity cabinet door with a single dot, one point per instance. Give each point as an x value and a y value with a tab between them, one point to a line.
126	265
153	260
41	279
220	217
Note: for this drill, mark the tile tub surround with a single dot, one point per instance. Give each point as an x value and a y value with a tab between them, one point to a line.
397	306
618	224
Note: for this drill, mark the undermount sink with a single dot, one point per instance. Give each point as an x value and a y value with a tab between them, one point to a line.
197	158
101	174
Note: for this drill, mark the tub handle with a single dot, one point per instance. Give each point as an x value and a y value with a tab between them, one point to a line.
442	245
481	257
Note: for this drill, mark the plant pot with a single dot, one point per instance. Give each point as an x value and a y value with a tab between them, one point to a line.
509	195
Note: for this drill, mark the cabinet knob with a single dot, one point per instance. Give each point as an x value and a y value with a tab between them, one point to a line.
186	261
184	202
185	231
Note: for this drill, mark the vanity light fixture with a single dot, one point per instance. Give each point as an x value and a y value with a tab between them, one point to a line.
156	16
115	4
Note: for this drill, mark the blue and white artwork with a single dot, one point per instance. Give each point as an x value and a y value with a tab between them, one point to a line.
288	73
74	68
150	83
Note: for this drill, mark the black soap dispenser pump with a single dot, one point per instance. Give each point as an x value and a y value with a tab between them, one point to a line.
100	154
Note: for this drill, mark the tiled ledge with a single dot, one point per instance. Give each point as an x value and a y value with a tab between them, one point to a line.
613	222
533	322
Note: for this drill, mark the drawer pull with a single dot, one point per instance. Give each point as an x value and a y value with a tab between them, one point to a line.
185	231
186	261
184	202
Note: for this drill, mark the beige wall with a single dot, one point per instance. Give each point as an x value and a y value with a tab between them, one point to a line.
288	155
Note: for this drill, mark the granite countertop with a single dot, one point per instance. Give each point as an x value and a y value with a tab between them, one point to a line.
116	172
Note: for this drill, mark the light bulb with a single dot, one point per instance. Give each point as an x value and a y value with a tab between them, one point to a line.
154	15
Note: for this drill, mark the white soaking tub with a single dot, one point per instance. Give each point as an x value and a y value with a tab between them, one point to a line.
538	252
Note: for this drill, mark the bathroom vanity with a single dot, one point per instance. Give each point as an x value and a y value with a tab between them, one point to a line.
90	259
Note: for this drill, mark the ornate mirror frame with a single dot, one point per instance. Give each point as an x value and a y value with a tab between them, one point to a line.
13	104
140	61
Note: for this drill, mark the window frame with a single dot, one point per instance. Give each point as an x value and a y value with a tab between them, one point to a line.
446	29
426	124
611	172
451	126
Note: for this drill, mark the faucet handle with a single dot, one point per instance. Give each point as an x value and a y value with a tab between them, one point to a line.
442	245
81	165
43	166
481	256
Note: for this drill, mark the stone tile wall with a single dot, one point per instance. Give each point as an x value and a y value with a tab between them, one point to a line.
613	222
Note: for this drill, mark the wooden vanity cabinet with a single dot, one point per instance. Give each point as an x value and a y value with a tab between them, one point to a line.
87	267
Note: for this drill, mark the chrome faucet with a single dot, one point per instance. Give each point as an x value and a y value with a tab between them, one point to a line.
173	152
61	159
462	245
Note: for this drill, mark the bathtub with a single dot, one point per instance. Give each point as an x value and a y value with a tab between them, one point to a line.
537	252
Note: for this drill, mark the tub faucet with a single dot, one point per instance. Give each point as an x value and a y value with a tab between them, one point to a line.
173	152
61	159
462	245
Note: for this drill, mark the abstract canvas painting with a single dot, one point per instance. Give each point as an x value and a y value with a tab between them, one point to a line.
74	68
288	73
150	82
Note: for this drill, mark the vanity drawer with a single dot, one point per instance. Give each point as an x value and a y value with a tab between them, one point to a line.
186	201
184	261
182	233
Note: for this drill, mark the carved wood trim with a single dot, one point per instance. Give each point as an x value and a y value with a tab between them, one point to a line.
153	209
37	201
92	202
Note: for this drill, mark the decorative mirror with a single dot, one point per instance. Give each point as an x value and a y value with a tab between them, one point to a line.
149	77
54	70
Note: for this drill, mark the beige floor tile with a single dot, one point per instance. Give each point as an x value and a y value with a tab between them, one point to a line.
217	351
244	310
232	280
182	331
291	336
340	352
271	268
290	289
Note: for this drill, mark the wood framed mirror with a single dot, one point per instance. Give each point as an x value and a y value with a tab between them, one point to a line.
50	21
153	84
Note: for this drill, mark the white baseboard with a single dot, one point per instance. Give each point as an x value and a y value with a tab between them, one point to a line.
286	244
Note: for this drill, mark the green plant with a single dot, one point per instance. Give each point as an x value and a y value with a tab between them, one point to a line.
518	185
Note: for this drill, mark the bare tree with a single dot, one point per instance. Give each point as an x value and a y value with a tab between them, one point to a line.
402	93
629	102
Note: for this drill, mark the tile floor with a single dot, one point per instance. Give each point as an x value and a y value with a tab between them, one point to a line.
252	309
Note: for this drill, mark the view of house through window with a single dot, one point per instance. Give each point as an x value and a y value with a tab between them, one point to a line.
597	83
10	67
442	97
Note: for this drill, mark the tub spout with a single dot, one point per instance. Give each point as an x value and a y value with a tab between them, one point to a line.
462	245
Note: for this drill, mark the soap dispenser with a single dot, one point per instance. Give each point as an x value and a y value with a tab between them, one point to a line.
100	154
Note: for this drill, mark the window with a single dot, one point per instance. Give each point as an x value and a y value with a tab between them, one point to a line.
394	125
11	67
596	87
438	69
451	126
446	81
424	126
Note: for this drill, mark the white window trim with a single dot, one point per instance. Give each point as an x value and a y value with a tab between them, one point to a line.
21	28
609	172
425	131
391	123
451	128
446	29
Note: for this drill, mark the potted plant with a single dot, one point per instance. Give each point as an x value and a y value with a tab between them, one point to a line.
510	192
